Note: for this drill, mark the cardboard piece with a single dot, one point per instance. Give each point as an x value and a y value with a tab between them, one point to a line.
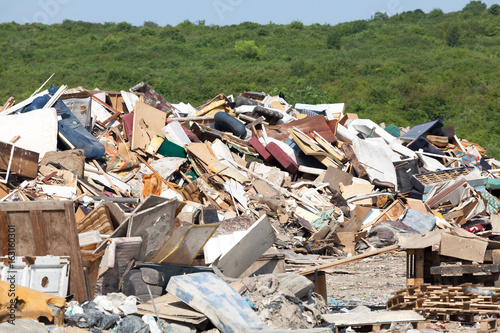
148	122
170	307
419	206
348	239
335	177
495	223
72	160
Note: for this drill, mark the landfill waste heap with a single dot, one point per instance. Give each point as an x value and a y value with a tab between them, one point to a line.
121	211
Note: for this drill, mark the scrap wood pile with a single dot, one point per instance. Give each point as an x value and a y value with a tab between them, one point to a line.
126	192
447	300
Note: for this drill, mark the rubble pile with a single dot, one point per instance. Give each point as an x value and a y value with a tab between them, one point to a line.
143	213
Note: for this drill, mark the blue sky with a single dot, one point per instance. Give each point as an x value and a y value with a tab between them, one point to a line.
220	12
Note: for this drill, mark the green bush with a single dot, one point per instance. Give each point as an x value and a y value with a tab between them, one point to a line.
111	42
436	12
494	9
247	49
453	36
150	24
297	25
333	40
475	7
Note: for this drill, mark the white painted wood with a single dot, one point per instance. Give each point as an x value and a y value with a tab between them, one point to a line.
258	239
21	105
55	97
174	132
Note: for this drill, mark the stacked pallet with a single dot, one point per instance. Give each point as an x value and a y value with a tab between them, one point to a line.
446	302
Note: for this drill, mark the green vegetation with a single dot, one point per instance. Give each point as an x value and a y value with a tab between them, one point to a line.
404	69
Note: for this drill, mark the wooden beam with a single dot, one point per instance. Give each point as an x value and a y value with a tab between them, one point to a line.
465	269
351	259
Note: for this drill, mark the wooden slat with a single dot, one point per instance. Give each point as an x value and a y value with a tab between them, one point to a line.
33	205
38	226
4	222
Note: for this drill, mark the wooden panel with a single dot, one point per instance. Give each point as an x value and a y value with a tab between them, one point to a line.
24	162
258	239
44	228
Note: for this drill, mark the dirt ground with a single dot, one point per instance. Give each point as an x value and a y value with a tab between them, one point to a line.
368	282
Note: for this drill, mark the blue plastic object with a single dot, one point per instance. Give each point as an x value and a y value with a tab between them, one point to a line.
69	126
224	122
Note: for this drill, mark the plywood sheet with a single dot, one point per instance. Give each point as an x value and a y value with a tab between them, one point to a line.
148	122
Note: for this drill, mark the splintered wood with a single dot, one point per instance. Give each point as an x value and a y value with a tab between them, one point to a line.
445	300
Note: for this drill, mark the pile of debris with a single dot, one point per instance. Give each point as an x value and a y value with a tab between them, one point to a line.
131	206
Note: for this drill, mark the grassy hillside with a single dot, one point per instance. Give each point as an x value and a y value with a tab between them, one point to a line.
405	69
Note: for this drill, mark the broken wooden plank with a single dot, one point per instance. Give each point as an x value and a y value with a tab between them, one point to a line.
351	259
24	162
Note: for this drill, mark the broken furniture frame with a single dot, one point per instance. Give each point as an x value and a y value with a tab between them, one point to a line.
9	164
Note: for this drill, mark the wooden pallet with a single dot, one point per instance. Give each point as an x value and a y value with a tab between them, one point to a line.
445	301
